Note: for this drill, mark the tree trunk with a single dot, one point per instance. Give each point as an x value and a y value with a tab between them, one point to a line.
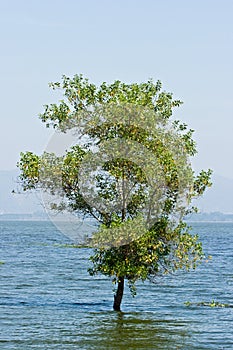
119	295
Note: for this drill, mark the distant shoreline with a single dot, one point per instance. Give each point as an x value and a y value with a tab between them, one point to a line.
214	217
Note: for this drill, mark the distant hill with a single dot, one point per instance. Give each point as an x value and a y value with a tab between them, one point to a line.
13	202
210	217
219	198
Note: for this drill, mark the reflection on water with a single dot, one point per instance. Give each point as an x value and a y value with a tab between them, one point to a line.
48	300
139	331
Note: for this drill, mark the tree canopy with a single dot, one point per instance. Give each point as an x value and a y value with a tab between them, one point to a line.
129	170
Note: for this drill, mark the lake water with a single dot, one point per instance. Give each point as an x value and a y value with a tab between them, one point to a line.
49	301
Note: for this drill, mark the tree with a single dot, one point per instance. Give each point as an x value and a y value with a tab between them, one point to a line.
129	170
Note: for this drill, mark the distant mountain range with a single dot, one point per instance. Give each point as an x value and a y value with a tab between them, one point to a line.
15	203
219	198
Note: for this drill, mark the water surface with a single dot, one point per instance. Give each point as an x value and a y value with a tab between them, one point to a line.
48	300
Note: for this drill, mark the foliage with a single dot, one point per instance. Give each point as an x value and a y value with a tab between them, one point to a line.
159	245
213	303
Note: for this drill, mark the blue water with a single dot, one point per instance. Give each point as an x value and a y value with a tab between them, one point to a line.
48	300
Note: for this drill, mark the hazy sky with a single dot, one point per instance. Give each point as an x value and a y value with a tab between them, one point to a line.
187	44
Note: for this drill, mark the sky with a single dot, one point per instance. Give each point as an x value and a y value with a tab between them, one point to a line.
188	45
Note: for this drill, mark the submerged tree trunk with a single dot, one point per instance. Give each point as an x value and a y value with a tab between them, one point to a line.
119	295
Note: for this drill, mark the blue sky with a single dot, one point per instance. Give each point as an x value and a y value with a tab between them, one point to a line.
188	45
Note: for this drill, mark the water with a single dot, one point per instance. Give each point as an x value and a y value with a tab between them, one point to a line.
48	300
